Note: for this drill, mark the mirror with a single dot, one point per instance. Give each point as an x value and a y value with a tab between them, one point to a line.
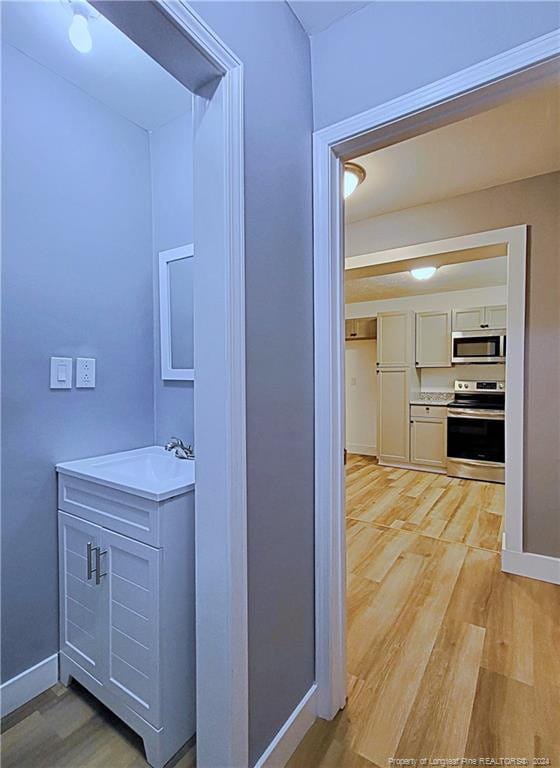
176	278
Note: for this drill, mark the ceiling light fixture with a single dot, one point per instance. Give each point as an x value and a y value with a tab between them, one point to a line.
79	32
423	273
354	174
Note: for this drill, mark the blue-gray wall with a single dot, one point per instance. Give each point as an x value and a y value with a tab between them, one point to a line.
389	48
278	125
172	198
77	280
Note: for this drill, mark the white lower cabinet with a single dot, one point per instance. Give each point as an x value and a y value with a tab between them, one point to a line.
392	415
132	571
428	437
127	623
82	606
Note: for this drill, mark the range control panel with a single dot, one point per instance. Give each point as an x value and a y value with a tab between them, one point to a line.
481	387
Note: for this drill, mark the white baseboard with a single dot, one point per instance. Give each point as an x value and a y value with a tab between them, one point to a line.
363	450
533	566
415	467
28	684
284	744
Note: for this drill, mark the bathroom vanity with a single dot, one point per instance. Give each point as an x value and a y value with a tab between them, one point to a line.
126	570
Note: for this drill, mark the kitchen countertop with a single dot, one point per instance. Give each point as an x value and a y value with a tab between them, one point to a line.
432	398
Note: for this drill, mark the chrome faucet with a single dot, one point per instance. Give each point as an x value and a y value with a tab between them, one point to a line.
182	451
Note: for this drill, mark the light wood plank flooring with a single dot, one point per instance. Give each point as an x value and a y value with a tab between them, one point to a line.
448	657
69	728
434	505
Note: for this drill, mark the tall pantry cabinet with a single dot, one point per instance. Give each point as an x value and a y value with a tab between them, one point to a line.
398	381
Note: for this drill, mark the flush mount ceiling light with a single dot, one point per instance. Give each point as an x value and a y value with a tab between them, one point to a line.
78	32
354	174
423	273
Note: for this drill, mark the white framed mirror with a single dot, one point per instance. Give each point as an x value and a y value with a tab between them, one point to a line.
176	277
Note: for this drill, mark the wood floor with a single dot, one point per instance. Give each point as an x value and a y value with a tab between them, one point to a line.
448	657
434	505
69	728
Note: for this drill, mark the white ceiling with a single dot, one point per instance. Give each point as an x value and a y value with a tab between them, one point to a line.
450	277
316	15
116	71
515	141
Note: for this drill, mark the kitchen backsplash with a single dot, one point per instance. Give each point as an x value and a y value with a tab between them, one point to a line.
443	379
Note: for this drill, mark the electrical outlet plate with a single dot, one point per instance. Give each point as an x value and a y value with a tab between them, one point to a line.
85	372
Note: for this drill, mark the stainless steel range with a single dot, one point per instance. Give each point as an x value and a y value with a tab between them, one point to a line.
476	431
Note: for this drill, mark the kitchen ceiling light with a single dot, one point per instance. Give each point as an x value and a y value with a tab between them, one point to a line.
354	174
423	273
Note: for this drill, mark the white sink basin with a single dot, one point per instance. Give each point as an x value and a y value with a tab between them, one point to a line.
152	472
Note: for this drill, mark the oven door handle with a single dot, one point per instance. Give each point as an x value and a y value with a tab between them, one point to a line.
473	413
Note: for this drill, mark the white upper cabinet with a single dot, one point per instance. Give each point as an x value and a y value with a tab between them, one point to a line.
394	339
477	318
433	339
496	317
468	319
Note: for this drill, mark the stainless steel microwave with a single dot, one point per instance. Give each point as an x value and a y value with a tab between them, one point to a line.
487	346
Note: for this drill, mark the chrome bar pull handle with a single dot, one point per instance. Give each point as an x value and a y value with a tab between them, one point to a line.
90	568
98	573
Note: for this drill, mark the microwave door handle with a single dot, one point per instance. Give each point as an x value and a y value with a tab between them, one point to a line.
502	346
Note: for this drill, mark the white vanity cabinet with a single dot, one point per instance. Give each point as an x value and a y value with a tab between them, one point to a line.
126	568
81	605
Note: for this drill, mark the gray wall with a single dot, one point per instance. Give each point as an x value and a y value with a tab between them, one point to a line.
388	48
172	173
278	124
77	280
535	202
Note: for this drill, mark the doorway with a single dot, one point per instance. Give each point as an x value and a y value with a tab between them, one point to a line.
381	128
178	42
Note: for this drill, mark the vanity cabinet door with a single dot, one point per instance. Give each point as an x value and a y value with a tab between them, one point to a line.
133	577
83	636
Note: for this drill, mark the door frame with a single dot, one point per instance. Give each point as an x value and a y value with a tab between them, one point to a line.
180	40
479	87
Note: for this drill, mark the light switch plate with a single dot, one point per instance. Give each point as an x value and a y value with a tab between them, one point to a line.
61	373
85	372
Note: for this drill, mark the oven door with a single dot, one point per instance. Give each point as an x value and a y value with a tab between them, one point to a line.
478	347
476	435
